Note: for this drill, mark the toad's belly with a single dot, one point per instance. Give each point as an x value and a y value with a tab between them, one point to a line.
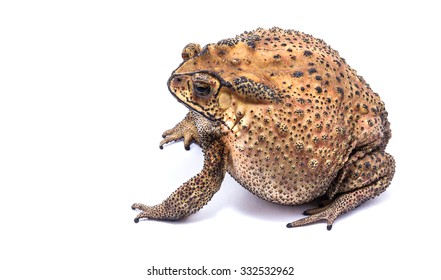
283	178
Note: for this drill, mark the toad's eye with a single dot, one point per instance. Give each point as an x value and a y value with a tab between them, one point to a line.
201	89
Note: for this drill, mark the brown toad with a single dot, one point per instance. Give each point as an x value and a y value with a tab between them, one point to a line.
285	115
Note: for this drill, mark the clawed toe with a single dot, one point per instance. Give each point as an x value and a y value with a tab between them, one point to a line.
309	220
142	215
145	211
185	130
141	207
315	215
171	136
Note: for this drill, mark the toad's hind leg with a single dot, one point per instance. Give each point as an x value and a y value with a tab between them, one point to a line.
364	179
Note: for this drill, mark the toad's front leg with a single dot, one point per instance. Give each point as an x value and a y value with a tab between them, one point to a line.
194	193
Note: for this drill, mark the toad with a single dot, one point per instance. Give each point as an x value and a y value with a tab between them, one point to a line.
286	117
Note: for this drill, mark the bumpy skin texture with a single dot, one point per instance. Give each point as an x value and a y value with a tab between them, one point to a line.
284	115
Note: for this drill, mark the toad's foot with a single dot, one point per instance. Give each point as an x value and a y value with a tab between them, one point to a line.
185	130
148	212
360	187
327	213
141	207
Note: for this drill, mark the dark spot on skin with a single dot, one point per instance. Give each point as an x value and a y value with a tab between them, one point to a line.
307	53
251	44
340	90
318	89
312	71
318	78
297	74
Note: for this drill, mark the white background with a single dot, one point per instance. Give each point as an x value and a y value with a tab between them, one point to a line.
83	104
